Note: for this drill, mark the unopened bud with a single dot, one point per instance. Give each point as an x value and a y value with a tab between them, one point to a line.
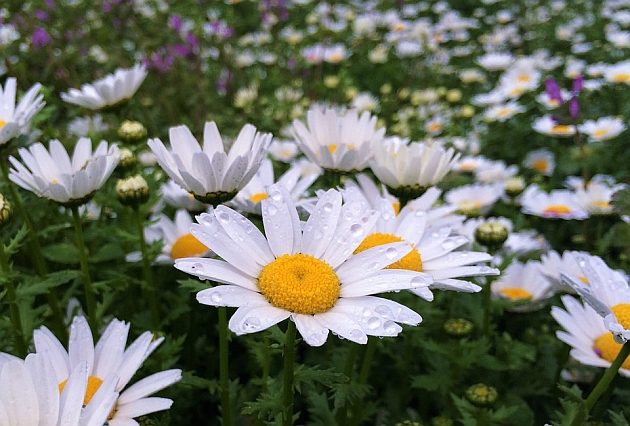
482	395
491	234
5	210
127	159
514	186
132	191
132	131
458	327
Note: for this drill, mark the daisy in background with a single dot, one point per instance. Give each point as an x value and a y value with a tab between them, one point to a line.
524	242
30	394
175	196
54	175
495	61
468	228
607	293
408	169
107	360
618	73
109	90
338	140
503	112
470	163
548	126
293	180
577	182
496	172
584	330
16	119
541	161
603	128
284	151
523	282
303	272
475	199
596	198
206	170
552	102
557	204
84	126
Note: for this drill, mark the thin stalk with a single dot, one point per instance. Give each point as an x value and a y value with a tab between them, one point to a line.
607	378
149	287
224	378
90	298
289	364
348	370
370	350
16	317
487	307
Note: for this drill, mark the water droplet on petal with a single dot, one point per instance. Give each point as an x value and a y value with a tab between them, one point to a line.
216	297
356	230
374	323
391	252
327	207
271	210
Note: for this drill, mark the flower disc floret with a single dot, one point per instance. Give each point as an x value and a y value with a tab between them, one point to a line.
411	262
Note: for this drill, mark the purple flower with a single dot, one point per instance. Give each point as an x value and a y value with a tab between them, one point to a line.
578	84
41	15
40	37
574	108
175	22
553	90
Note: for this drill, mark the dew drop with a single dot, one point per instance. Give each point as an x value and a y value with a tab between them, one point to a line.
216	297
374	323
271	210
391	253
356	230
328	207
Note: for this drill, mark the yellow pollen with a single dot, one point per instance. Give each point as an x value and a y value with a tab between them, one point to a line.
523	78
600	133
606	348
562	129
412	261
583	279
557	210
504	112
187	246
300	283
435	127
622	313
258	197
2	123
540	165
517	91
516	293
92	386
336	57
601	204
622	77
332	148
396	206
554	102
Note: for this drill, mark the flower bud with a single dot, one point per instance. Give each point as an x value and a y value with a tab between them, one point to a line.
5	210
491	234
482	395
127	159
132	131
458	327
514	186
132	191
441	421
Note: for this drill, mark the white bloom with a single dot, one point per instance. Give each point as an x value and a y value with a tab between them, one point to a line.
547	126
284	151
550	103
206	170
541	160
474	199
83	126
553	265
16	119
494	61
495	172
52	174
365	101
470	164
597	197
109	90
558	204
523	283
503	112
179	198
306	273
618	73
603	128
338	140
521	243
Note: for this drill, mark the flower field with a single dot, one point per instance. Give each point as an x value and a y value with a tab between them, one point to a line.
275	212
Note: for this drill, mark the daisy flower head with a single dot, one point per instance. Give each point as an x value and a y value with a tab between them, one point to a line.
521	78
206	170
495	61
468	228
433	247
495	172
175	196
476	199
553	265
338	140
607	293
618	73
306	273
584	330
293	180
16	119
31	395
105	362
408	169
524	242
284	151
470	163
553	102
548	126
603	128
52	174
596	198
109	90
541	161
503	112
557	204
523	282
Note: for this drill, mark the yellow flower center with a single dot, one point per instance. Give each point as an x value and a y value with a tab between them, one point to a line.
622	313
601	204
606	348
562	129
92	386
517	91
187	246
468	166
412	261
504	112
540	165
2	123
258	197
516	293
332	148
600	133
622	77
523	78
554	102
300	283
435	127
557	209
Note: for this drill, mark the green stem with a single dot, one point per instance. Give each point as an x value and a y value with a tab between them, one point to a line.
289	363
370	350
607	378
149	286
348	370
35	251
224	378
90	298
16	317
487	307
266	363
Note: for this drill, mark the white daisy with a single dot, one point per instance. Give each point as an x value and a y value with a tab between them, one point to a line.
468	228
109	90
306	273
523	282
84	126
470	164
557	204
16	119
54	175
176	196
408	169
30	394
548	126
584	330
552	103
338	140
475	199
603	128
541	160
524	242
597	198
293	180
207	171
607	292
503	112
108	359
553	265
494	61
495	172
284	151
618	73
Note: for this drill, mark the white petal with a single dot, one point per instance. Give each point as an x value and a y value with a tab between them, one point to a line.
149	385
254	318
311	331
229	295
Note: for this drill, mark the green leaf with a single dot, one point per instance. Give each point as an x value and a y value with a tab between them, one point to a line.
62	253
